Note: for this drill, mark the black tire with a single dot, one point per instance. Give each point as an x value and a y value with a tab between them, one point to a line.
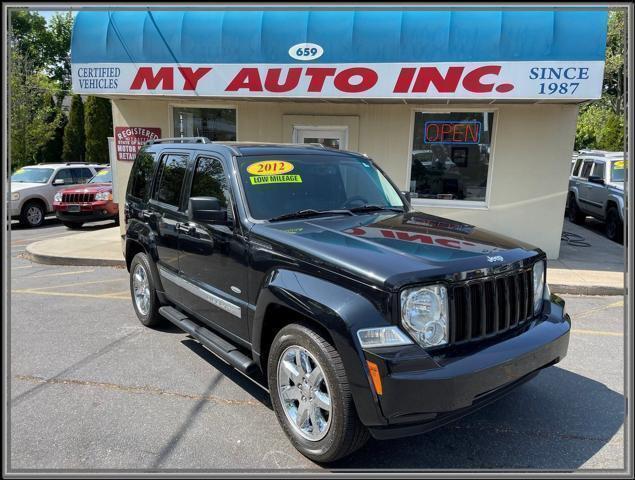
32	214
346	433
614	225
73	225
151	317
574	213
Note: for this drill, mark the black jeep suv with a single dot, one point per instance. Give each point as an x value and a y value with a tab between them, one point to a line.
307	264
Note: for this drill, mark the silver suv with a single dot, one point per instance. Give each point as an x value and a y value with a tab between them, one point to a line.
34	187
596	188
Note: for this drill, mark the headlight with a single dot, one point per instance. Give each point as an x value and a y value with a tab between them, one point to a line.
103	196
15	196
382	337
539	285
57	197
424	313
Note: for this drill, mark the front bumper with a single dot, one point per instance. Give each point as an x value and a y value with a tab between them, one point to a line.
422	391
89	212
15	208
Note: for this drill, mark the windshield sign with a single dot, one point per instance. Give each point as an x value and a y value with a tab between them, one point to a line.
617	171
102	176
310	184
32	175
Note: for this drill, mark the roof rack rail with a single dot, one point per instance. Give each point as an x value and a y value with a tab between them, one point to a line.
179	140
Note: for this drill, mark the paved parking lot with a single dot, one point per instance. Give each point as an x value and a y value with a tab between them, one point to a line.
92	389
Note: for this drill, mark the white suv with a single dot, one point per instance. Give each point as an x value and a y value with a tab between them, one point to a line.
34	187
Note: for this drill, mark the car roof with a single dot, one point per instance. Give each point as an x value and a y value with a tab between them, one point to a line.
56	165
253	148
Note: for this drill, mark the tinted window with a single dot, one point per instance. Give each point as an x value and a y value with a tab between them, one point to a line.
451	155
210	181
586	169
141	175
598	170
170	175
319	182
576	169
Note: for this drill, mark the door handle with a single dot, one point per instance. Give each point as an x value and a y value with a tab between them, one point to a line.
146	214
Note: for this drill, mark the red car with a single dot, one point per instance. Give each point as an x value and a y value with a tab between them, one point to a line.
90	202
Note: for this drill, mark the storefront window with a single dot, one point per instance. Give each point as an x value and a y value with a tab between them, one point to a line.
217	124
451	155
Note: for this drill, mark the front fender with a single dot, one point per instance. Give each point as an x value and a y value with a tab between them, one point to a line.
338	310
619	201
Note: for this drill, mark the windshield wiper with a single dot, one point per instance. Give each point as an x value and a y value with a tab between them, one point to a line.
375	208
309	212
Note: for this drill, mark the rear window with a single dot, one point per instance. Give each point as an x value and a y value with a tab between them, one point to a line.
141	175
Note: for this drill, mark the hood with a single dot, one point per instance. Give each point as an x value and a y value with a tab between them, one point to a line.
89	188
19	186
392	250
616	185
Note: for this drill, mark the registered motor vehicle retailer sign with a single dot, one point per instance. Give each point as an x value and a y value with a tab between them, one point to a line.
128	140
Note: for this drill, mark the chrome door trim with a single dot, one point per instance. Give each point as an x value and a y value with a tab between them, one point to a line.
215	300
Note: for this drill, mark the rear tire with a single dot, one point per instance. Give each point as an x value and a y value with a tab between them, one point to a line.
32	214
142	288
575	214
614	225
73	225
344	432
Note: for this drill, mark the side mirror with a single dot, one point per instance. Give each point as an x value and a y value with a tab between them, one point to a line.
206	209
59	181
407	195
598	180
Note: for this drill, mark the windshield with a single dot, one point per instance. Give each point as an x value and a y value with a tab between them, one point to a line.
102	176
284	184
32	175
617	171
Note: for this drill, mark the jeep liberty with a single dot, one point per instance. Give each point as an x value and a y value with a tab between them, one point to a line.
306	267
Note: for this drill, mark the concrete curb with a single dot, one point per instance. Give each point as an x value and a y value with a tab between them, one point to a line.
600	290
74	261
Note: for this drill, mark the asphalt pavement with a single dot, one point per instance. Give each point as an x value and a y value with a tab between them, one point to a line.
90	388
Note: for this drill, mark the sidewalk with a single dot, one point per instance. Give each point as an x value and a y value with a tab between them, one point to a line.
100	247
594	270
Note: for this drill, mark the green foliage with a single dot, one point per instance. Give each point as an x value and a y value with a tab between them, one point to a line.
74	148
98	127
601	123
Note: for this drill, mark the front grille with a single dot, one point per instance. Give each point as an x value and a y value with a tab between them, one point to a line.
487	307
78	197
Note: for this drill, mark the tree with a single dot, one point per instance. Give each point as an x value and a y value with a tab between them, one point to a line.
59	51
74	149
98	127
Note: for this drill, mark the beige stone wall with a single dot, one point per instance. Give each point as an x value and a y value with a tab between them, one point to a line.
530	160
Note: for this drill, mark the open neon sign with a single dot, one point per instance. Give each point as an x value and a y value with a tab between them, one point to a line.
468	132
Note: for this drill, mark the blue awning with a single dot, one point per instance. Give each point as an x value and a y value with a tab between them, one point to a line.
353	36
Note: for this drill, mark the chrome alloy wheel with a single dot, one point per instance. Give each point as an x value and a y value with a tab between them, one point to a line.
34	215
141	288
304	393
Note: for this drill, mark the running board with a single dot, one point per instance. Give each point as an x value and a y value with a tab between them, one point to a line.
217	345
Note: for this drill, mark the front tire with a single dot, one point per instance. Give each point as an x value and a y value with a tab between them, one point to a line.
32	214
311	396
614	225
144	295
574	213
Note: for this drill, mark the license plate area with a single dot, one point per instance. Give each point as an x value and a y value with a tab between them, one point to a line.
74	208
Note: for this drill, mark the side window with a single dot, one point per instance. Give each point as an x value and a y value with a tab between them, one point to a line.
141	175
81	175
576	168
586	169
171	174
64	174
210	181
598	170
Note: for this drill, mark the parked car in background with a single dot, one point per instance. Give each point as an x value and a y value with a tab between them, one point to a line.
91	202
34	187
596	188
